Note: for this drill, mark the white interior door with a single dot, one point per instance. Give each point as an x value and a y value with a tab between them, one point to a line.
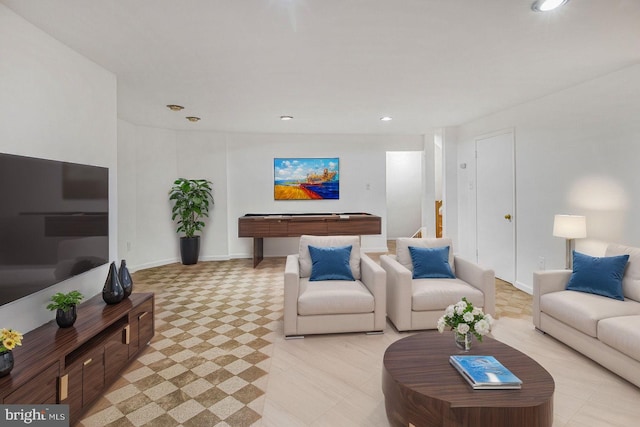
495	207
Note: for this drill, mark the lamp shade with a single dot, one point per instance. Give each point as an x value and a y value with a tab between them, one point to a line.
570	226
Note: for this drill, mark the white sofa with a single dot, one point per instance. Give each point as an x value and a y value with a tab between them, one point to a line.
415	304
332	306
604	329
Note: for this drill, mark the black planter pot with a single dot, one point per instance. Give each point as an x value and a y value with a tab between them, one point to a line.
190	249
66	319
6	362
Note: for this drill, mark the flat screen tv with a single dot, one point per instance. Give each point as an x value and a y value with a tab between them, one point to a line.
54	223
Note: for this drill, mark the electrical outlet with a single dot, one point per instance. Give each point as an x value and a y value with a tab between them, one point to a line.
128	246
541	265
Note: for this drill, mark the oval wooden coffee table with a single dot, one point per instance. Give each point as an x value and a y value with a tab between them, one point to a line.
422	388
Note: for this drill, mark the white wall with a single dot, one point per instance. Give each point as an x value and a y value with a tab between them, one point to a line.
241	169
362	180
56	105
577	152
404	193
204	155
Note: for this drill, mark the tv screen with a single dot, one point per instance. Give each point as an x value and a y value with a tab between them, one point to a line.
54	223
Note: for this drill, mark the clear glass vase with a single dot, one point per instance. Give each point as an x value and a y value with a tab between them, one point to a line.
463	341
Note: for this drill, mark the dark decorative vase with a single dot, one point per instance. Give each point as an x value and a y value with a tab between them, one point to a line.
67	318
190	249
112	293
6	362
125	279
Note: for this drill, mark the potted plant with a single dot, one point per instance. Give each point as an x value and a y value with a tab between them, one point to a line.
191	199
66	307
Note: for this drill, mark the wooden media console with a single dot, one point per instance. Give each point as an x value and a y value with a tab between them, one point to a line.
74	365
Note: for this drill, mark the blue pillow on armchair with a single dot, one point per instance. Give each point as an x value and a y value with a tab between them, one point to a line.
431	263
598	275
330	263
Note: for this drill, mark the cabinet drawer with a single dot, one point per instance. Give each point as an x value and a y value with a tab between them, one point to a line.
92	375
39	390
116	353
142	326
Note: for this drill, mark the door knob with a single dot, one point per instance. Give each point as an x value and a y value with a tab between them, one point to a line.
507	217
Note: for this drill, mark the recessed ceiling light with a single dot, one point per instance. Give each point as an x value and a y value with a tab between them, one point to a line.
547	5
174	107
386	118
193	118
286	117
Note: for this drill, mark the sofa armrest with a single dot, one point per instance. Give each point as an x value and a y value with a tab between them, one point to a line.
545	282
375	279
479	277
399	292
291	292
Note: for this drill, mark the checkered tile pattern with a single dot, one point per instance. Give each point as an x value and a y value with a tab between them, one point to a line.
208	362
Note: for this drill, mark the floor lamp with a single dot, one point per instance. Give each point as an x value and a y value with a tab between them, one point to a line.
570	227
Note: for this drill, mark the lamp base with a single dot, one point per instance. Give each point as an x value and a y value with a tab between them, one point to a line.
569	255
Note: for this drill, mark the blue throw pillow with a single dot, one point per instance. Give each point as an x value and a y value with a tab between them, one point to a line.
431	263
598	275
330	263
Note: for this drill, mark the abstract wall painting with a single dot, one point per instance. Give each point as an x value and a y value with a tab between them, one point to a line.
306	178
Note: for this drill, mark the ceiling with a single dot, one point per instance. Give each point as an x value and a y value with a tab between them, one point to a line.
337	66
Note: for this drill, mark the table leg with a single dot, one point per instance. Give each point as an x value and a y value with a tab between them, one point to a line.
258	245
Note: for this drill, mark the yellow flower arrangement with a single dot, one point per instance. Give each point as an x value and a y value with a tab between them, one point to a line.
9	339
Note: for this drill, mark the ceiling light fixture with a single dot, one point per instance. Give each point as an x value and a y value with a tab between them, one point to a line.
174	107
193	118
286	117
386	118
547	5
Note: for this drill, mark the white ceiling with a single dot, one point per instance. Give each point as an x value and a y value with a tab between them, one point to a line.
337	66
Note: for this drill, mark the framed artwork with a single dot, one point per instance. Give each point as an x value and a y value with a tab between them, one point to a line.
306	178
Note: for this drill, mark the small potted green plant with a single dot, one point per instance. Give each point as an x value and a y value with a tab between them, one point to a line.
191	199
66	307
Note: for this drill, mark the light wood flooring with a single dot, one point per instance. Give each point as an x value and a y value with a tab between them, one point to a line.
334	380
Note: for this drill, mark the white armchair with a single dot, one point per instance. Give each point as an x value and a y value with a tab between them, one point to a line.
414	304
332	306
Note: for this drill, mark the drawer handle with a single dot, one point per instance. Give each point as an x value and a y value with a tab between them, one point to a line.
142	315
127	334
63	387
86	362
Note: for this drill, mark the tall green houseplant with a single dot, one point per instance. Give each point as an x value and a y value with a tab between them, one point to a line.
191	199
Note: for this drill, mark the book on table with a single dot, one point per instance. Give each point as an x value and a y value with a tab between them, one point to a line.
485	372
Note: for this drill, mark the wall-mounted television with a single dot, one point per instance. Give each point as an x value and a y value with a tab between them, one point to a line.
54	223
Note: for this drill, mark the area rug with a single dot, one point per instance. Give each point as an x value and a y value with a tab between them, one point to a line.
208	362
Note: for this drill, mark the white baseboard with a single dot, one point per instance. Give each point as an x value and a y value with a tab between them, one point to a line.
524	287
134	268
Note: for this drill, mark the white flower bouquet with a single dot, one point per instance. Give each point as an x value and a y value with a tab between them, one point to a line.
463	317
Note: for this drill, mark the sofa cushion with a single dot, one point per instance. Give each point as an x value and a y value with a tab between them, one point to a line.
330	263
631	278
334	297
438	294
431	263
582	311
621	333
325	241
404	256
598	275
